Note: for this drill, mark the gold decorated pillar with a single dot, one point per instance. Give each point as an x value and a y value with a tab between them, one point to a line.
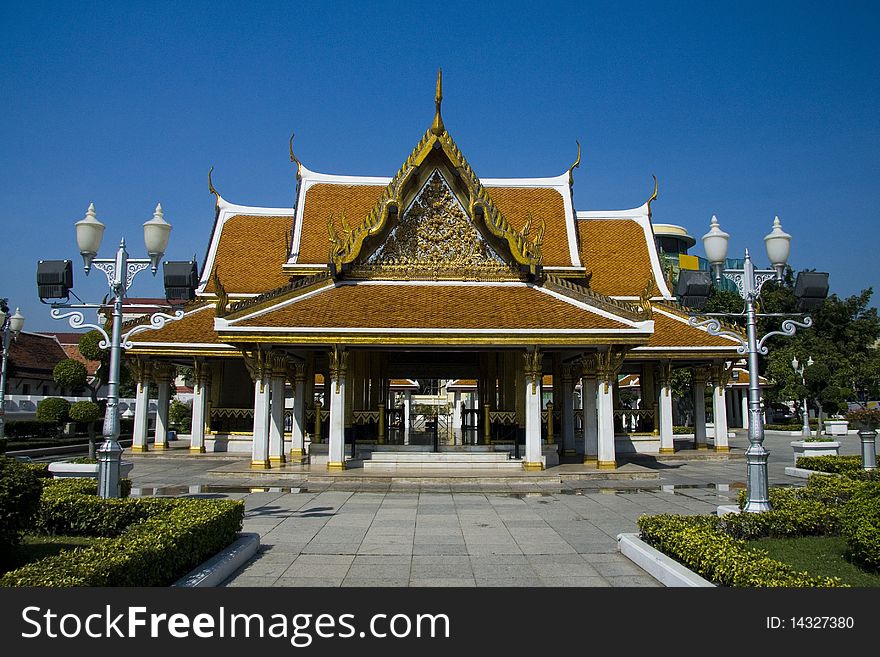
338	372
141	369
608	364
259	367
664	406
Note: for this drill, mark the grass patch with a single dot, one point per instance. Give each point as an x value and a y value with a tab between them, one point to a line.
34	547
821	556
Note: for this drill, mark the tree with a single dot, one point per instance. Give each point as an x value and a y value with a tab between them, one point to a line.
55	410
841	343
70	374
89	347
87	412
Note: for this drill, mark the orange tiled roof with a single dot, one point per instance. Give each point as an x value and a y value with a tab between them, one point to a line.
250	254
616	252
516	203
355	202
670	332
433	307
326	199
196	327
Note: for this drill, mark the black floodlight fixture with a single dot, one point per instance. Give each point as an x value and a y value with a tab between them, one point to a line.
54	279
811	290
693	288
181	279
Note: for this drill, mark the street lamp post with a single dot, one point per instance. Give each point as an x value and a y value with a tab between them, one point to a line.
799	369
120	272
749	282
10	326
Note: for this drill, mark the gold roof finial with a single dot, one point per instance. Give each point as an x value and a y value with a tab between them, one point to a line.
574	166
293	158
437	127
211	184
654	195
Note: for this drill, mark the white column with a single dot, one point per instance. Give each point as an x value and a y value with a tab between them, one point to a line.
336	449
456	410
667	442
719	410
607	459
406	409
276	420
744	404
534	457
568	445
163	381
591	436
260	446
141	416
699	392
201	394
297	439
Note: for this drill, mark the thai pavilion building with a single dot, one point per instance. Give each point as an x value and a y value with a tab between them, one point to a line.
313	312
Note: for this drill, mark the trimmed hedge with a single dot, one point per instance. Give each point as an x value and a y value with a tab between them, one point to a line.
861	526
19	499
833	464
699	543
24	429
40	470
165	538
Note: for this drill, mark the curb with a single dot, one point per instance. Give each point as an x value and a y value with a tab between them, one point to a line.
219	567
802	473
665	570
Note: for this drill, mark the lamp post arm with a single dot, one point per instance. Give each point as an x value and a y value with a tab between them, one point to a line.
157	321
76	320
789	327
713	327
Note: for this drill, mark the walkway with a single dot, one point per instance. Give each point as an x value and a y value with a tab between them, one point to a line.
349	531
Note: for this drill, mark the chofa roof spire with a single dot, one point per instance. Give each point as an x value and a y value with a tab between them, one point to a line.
437	127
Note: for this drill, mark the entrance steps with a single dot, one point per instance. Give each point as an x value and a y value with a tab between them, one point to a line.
445	460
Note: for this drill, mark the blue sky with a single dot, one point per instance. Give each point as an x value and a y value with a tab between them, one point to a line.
744	110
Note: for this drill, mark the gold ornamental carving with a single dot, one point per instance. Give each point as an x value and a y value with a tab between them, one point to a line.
664	374
258	363
296	372
338	365
141	369
722	372
608	364
346	242
588	366
435	233
534	367
645	299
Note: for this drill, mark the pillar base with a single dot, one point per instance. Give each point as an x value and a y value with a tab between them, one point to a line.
197	450
702	446
336	466
667	450
721	448
160	445
280	460
591	460
606	465
533	465
139	449
260	465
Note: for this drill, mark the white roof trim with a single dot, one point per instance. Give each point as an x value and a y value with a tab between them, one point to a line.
641	216
225	211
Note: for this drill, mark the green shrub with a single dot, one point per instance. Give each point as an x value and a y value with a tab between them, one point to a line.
165	540
24	429
85	411
19	499
834	464
677	430
40	470
698	543
54	410
70	373
861	526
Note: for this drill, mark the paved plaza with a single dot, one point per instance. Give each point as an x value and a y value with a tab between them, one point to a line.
353	531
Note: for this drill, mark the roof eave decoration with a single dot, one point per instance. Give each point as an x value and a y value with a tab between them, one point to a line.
346	242
576	165
653	195
294	159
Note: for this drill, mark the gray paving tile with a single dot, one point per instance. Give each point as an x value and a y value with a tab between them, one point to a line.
443	581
